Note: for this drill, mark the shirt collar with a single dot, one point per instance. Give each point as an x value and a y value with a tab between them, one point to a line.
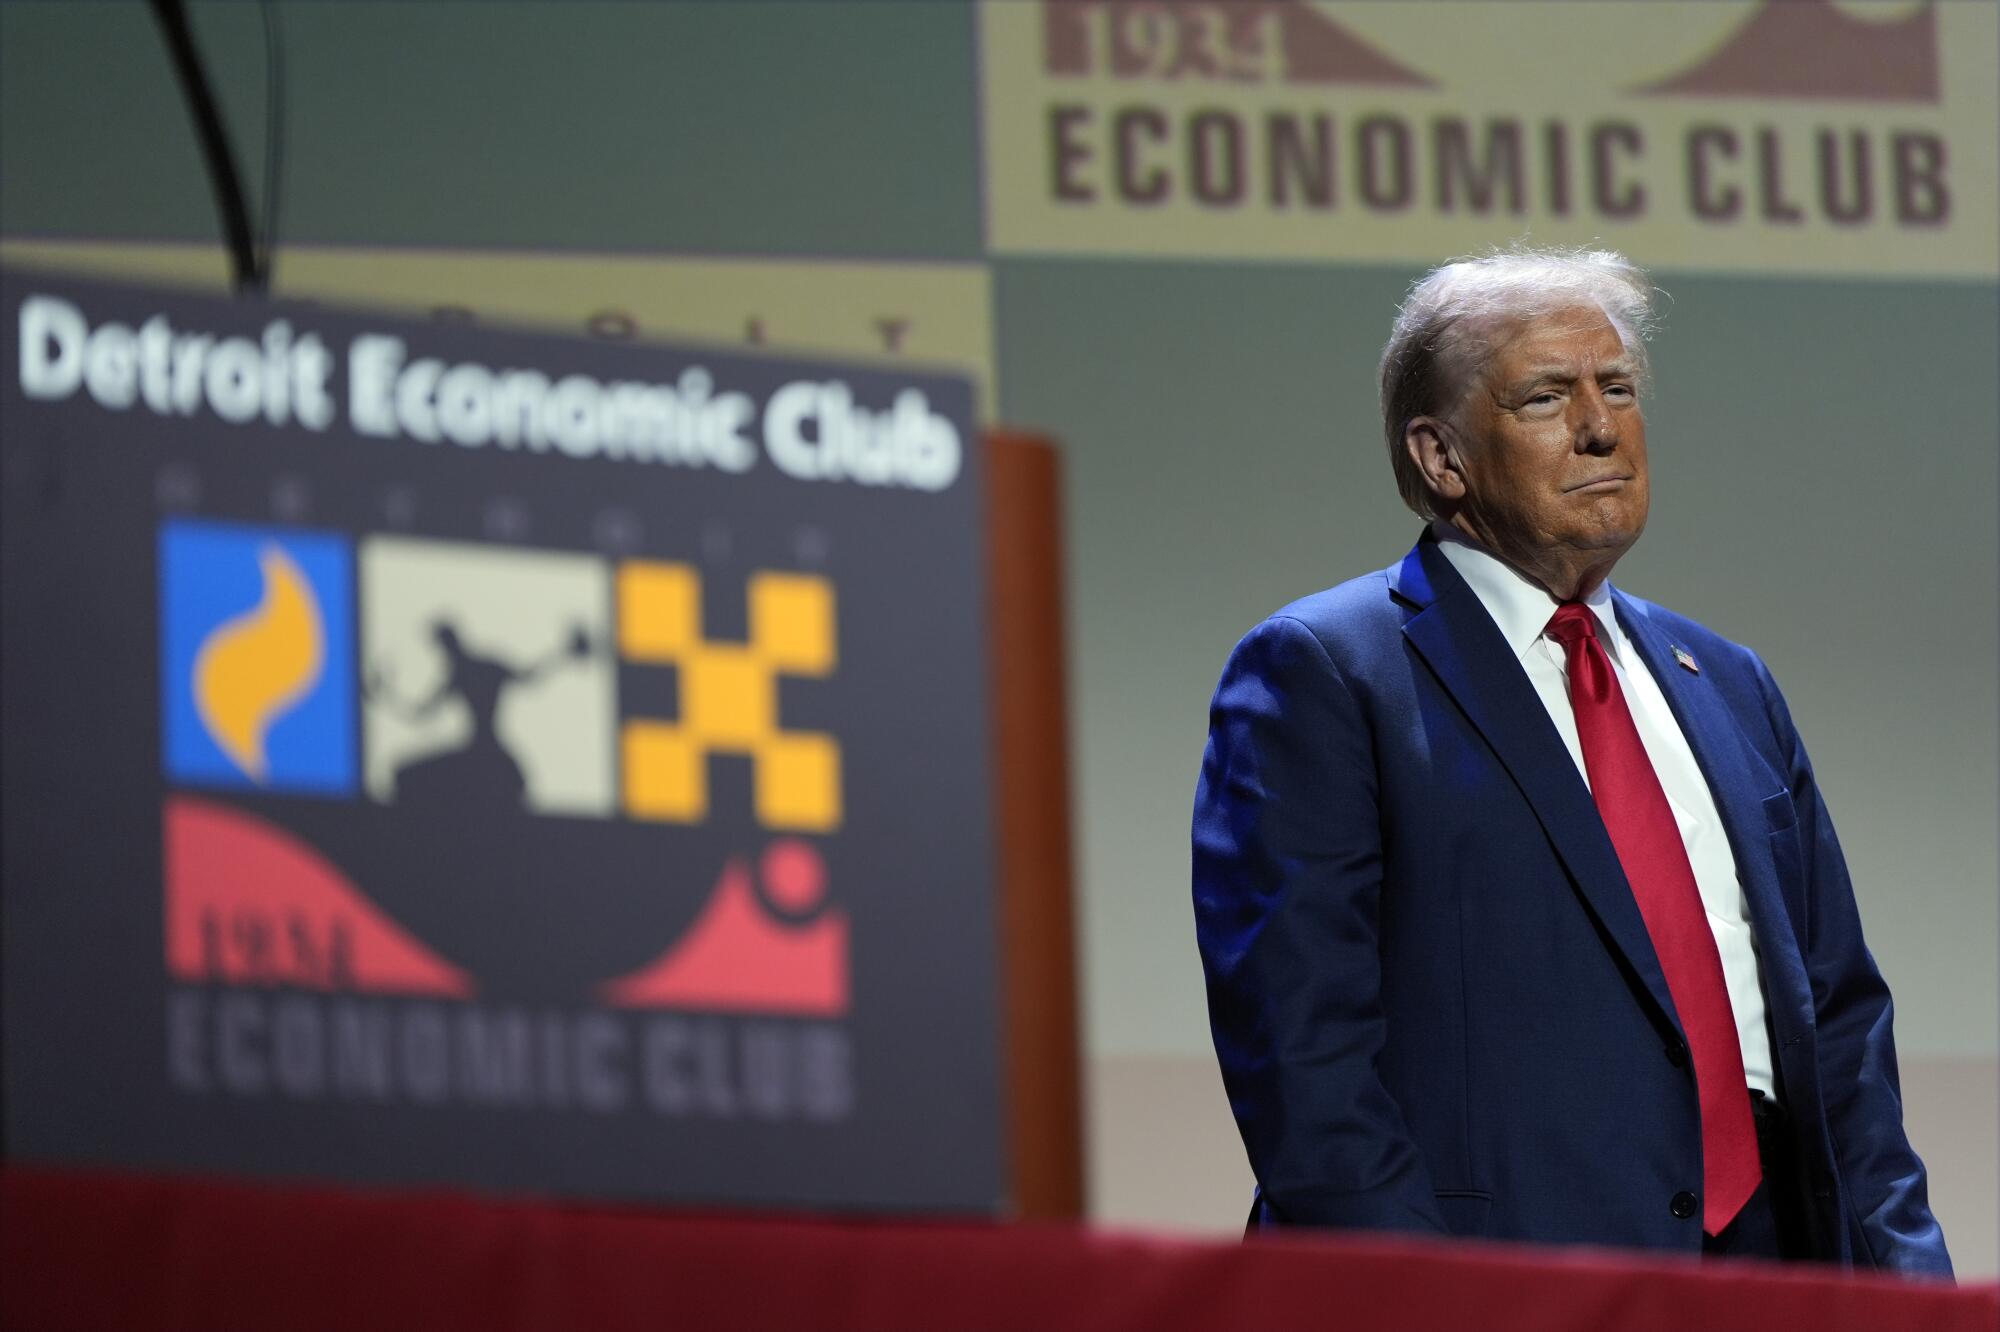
1519	606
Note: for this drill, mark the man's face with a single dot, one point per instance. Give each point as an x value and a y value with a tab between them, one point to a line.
1555	443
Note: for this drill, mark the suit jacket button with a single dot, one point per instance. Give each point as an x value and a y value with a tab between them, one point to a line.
1677	1054
1684	1205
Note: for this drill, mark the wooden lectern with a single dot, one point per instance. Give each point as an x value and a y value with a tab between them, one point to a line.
1038	1009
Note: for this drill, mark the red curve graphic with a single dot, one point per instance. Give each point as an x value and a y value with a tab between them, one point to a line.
247	903
1808	48
736	958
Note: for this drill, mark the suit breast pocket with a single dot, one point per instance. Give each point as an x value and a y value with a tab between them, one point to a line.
1782	818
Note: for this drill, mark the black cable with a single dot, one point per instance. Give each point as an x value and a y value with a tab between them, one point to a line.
274	137
247	273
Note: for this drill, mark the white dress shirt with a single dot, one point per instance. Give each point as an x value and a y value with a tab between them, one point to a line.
1521	608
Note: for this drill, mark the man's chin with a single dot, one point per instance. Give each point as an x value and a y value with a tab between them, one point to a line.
1616	527
1610	538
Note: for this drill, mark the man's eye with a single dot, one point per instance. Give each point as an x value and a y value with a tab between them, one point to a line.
1621	390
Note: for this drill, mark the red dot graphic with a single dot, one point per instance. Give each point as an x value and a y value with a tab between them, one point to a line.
794	876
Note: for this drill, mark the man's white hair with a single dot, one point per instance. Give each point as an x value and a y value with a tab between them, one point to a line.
1442	334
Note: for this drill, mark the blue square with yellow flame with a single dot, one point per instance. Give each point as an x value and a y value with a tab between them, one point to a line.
257	657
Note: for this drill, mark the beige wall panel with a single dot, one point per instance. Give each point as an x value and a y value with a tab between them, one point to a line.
1797	137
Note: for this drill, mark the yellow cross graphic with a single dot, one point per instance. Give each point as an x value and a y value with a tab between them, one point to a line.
729	697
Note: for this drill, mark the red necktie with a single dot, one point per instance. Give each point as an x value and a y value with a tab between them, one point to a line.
1649	846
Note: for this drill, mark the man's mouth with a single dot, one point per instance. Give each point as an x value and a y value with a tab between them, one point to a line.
1601	485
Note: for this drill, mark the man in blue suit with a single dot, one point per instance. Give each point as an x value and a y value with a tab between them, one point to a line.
1520	911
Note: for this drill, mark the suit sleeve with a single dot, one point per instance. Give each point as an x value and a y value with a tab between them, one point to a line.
1881	1175
1287	887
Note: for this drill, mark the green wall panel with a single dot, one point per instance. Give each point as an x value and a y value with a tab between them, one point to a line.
772	128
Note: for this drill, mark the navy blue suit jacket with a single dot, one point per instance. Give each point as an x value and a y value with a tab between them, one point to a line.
1434	1001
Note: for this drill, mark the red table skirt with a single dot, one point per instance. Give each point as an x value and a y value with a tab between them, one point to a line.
111	1251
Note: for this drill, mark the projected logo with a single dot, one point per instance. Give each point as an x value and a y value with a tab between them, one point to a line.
729	697
1873	50
488	677
1809	136
256	658
508	829
1820	49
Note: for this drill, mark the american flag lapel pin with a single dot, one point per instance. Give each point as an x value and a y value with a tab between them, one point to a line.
1686	658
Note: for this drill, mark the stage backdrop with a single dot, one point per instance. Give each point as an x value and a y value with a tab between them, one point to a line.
1173	234
442	755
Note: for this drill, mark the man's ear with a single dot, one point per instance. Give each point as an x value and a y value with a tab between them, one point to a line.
1429	440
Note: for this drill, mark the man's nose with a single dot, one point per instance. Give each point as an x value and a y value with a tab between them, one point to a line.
1596	427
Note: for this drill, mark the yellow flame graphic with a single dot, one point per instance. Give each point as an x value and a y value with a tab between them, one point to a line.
253	668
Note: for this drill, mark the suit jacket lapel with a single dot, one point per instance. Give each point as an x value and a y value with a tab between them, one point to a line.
1455	636
1740	780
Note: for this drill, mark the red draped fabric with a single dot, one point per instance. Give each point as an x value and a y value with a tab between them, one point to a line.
90	1250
